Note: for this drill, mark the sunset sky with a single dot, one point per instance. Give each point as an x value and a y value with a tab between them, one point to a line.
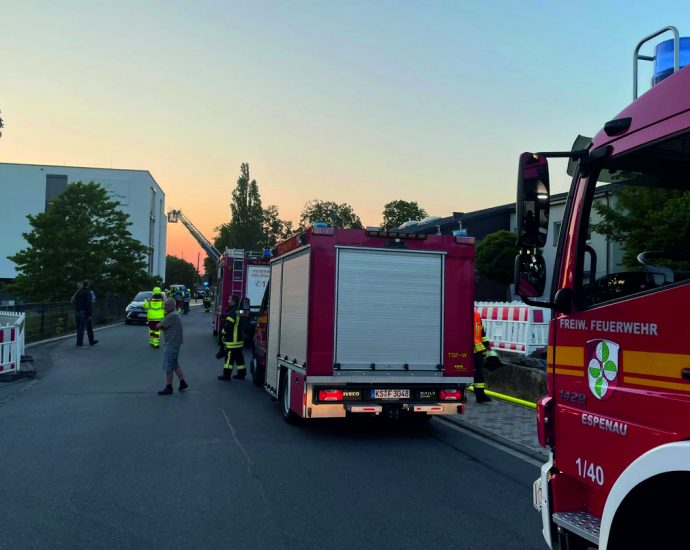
361	102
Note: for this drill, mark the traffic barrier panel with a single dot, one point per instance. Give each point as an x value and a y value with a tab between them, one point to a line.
515	327
12	340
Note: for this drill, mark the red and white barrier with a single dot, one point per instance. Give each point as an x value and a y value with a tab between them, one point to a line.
515	327
11	341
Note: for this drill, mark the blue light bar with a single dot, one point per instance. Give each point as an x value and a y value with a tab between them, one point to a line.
320	224
663	58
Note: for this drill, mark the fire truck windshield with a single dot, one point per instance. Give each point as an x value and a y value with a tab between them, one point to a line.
636	238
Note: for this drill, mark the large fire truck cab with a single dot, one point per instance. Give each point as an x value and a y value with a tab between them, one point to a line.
617	415
368	322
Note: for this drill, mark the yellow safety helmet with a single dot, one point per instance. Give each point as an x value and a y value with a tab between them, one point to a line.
157	290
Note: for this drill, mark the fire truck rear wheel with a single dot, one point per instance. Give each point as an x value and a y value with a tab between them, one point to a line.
258	373
288	415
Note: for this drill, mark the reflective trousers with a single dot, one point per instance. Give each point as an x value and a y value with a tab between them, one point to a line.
479	380
234	356
154	334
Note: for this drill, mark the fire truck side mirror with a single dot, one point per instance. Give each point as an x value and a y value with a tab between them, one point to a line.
532	201
530	274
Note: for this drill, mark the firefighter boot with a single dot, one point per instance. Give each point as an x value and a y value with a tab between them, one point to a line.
241	372
481	396
226	375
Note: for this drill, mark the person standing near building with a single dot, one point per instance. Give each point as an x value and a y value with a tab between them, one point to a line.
232	342
89	322
155	313
171	325
187	298
82	310
482	353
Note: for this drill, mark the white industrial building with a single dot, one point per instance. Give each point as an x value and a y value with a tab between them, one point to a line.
29	189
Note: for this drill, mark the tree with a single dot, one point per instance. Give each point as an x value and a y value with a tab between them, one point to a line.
82	235
337	215
1	125
180	272
274	228
646	218
245	229
496	256
396	213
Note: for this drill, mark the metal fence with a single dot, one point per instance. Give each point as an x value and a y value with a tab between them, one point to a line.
51	319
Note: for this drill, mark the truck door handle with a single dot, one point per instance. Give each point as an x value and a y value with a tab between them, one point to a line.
686	374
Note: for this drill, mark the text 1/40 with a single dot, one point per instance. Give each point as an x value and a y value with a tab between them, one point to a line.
590	471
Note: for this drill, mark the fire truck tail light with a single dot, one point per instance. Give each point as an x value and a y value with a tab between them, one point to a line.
545	421
330	395
450	395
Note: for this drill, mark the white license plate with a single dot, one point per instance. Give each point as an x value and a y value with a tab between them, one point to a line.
390	394
536	494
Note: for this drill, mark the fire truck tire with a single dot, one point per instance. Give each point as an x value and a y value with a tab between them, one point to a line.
288	415
258	373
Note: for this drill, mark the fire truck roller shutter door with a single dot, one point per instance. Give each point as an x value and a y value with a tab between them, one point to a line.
389	309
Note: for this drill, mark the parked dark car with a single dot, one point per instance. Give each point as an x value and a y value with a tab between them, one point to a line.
135	312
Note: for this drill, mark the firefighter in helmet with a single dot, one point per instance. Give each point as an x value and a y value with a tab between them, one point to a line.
155	312
232	342
484	356
207	300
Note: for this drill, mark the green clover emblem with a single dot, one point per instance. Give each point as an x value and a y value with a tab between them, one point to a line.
601	371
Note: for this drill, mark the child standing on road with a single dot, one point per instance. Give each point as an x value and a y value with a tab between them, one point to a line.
171	326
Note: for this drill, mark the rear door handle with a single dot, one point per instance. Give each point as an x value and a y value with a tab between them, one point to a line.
686	374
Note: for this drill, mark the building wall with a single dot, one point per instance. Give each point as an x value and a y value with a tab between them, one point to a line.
24	192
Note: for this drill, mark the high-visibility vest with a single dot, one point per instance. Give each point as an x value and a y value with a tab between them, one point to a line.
233	339
481	342
154	309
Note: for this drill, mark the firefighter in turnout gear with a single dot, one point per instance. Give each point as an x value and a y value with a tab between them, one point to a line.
483	356
232	342
155	312
207	300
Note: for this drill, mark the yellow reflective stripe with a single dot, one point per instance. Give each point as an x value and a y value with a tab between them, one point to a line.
668	365
646	382
233	345
569	372
567	356
236	328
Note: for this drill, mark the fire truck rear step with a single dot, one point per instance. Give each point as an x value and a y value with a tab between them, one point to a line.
582	524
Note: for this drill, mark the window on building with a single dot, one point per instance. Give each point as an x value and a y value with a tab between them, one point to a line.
56	185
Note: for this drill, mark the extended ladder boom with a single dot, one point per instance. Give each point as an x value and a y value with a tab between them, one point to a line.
176	215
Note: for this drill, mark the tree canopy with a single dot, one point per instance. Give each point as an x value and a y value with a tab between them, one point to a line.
396	213
2	125
337	215
180	272
251	226
496	256
82	235
646	218
275	229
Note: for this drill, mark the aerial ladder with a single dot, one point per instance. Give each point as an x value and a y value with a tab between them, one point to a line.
176	215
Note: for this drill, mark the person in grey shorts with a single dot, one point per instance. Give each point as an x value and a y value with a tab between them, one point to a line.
171	326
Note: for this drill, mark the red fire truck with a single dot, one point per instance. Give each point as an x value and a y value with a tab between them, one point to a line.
367	321
242	273
617	415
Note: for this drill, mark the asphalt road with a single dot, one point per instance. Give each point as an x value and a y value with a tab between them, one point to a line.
91	457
